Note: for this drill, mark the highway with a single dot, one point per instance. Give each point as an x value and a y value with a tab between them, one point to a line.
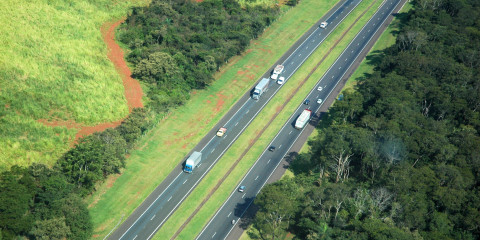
151	215
238	202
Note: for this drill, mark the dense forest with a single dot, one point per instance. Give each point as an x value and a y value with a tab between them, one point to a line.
176	46
398	157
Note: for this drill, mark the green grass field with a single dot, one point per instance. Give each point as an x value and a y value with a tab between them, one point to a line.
54	66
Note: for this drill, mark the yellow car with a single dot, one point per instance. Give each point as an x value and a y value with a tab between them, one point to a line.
221	131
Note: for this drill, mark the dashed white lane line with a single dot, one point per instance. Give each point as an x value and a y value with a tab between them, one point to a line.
247	111
212	150
280	147
152	217
244	195
135	237
256	178
269	160
214	234
229	214
236	124
299	54
170	199
290	132
185	181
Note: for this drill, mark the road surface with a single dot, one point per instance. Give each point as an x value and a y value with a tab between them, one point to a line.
159	206
233	209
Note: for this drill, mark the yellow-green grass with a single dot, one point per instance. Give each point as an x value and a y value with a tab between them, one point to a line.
386	40
169	142
54	66
208	183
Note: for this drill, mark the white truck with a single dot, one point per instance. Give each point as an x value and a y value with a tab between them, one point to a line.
261	87
303	119
277	71
192	162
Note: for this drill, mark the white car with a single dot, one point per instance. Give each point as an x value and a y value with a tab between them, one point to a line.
319	101
323	25
274	76
281	80
319	88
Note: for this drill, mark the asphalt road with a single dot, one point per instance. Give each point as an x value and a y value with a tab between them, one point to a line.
158	207
233	209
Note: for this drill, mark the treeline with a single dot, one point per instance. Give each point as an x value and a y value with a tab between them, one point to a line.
39	202
399	157
177	45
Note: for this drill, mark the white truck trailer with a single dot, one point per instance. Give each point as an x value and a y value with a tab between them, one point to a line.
277	71
261	87
192	162
303	119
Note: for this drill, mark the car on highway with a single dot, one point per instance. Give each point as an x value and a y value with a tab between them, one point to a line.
241	189
281	80
271	148
221	132
323	25
320	88
319	100
306	102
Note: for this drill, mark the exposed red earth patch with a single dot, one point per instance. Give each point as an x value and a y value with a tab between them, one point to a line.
133	91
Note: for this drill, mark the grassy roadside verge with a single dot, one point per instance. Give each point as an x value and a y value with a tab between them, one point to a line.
222	193
366	67
168	143
386	40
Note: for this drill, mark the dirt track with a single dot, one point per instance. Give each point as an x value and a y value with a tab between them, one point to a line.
133	91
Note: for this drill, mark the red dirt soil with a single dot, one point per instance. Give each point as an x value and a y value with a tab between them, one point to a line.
133	91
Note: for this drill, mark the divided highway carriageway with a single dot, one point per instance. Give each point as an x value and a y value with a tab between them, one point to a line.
157	208
233	209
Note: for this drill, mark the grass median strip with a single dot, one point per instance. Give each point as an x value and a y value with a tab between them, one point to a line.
169	142
195	226
250	145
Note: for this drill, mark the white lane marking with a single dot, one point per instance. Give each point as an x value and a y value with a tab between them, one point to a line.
236	124
299	54
152	217
247	111
352	51
291	63
306	47
368	30
214	234
229	214
185	181
135	237
256	178
212	150
211	219
290	132
269	160
333	77
280	147
340	68
346	59
170	199
244	195
358	44
363	37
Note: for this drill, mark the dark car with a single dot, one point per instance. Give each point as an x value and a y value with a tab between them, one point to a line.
271	148
306	102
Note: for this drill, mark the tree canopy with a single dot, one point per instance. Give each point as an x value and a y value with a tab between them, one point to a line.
399	156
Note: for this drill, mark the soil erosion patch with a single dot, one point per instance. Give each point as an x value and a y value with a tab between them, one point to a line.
133	91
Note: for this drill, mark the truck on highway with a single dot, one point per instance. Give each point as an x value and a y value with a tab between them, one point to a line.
303	119
277	71
192	162
261	87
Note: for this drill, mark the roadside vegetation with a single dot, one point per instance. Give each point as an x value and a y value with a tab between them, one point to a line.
397	158
54	68
275	105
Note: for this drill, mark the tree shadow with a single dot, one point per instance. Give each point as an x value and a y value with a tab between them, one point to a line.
248	214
